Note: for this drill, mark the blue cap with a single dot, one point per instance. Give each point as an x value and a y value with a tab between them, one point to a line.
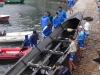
26	36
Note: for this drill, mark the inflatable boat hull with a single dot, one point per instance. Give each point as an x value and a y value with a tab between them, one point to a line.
12	53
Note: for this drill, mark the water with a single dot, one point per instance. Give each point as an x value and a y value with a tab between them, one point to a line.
25	17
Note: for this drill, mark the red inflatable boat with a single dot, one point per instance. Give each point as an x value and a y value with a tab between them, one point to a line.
12	53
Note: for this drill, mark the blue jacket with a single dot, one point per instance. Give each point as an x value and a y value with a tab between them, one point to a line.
46	31
44	20
62	15
81	35
56	21
64	71
33	39
26	41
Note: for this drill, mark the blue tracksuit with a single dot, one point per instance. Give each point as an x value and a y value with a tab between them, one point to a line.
70	3
81	35
33	40
44	20
64	71
46	31
80	39
56	21
62	15
26	41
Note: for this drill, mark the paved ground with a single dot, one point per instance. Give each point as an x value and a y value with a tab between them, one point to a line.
87	66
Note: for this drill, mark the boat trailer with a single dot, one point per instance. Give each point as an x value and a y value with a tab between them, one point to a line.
51	50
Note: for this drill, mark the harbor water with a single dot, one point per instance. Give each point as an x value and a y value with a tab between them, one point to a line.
25	17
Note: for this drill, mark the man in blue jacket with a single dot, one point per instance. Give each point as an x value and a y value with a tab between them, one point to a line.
63	70
56	20
44	20
33	39
25	43
62	14
26	40
47	30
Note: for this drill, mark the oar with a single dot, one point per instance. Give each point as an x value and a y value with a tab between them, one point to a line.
70	29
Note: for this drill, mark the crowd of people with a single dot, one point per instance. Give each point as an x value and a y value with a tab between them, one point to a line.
75	47
83	33
55	21
48	23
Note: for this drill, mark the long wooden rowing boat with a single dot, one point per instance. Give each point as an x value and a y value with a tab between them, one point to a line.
48	52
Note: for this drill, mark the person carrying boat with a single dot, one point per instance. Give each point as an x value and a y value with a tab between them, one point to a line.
56	20
33	39
50	16
80	39
44	20
25	43
86	27
70	4
62	14
86	30
63	70
71	52
47	30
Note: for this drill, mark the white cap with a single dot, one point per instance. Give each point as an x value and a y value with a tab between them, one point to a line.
80	26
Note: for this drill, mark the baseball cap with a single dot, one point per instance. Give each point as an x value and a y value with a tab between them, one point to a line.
80	26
